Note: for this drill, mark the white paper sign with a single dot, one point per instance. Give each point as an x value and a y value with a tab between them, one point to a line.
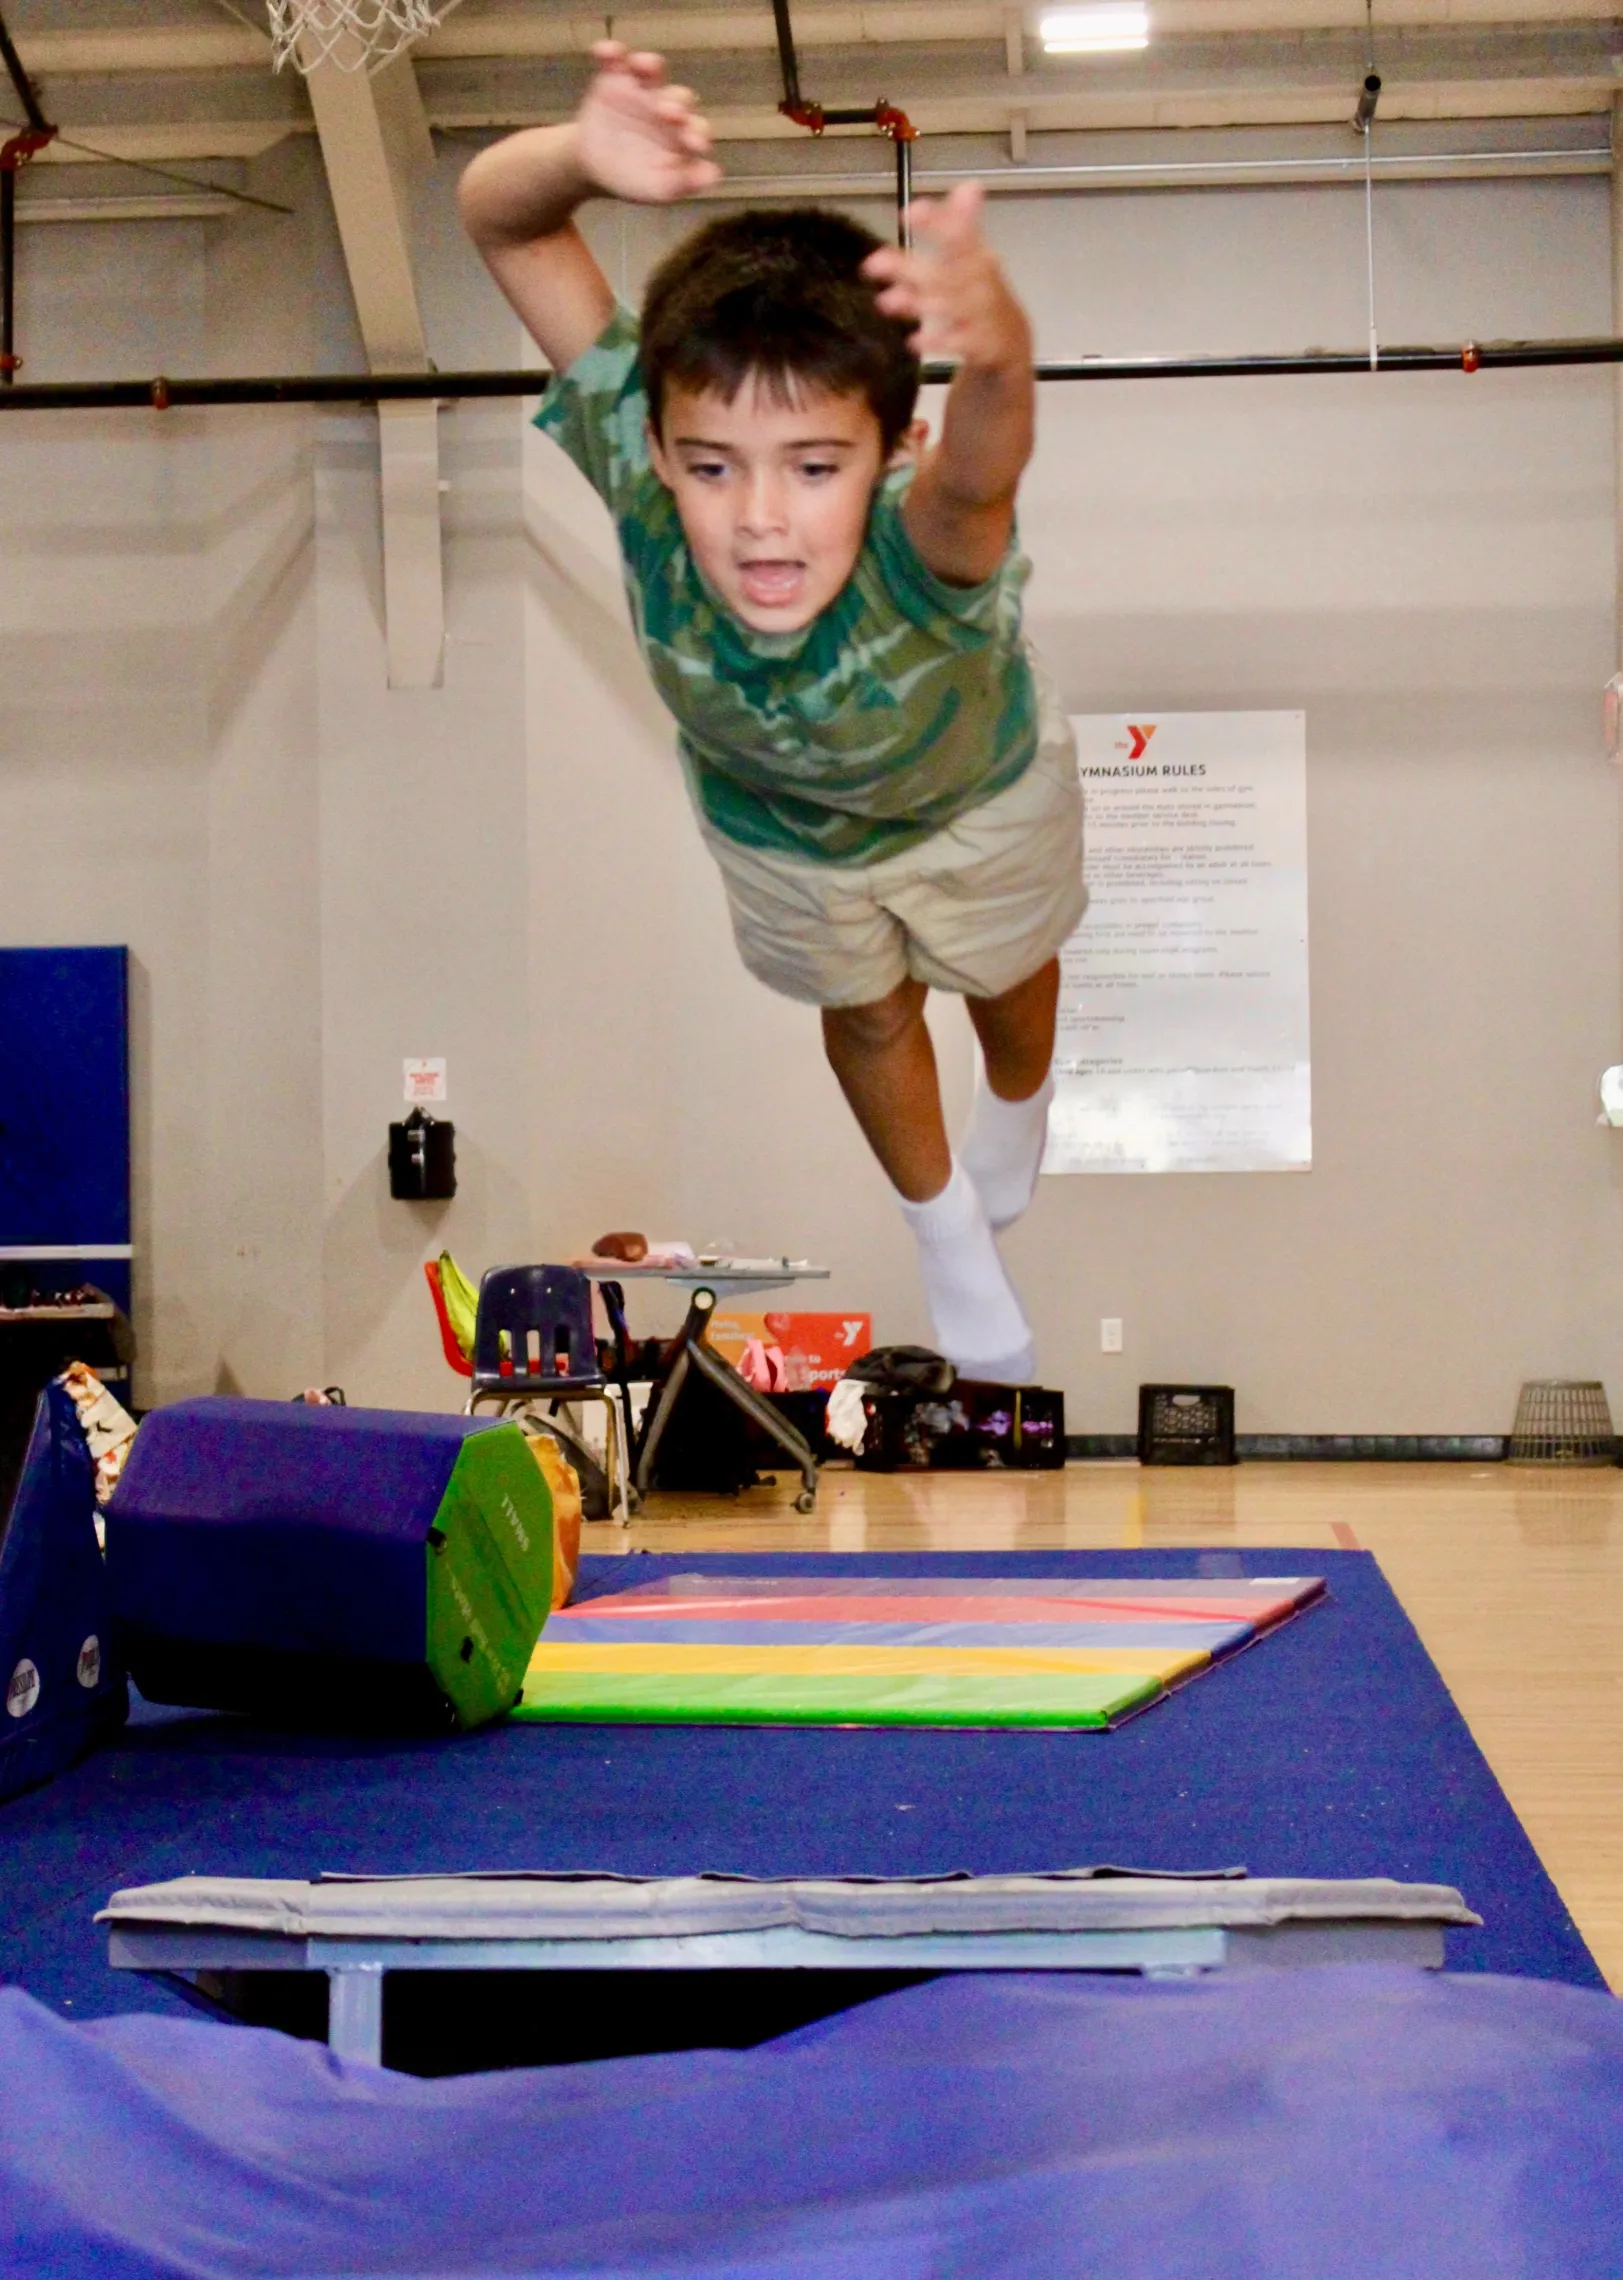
425	1080
1183	1041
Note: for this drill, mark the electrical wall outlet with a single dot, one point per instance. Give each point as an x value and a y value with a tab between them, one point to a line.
1110	1334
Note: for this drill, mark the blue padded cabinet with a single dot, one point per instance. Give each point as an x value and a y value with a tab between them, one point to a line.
65	1115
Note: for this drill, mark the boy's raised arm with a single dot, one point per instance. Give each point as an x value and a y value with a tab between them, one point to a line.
960	508
634	137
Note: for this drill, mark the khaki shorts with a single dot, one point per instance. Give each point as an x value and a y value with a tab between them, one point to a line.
974	909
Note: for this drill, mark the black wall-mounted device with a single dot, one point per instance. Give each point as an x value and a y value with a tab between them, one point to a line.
422	1159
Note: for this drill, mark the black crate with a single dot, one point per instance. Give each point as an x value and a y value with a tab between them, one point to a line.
1186	1425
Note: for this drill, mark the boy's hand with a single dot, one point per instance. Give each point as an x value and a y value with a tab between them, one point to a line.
633	137
951	286
638	138
959	508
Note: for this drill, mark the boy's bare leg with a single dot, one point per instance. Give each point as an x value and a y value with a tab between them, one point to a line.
884	1059
1002	1147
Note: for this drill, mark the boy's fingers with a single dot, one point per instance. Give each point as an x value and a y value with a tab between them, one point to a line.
885	263
899	301
955	220
962	205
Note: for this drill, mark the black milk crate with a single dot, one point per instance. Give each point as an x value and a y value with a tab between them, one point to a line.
1186	1425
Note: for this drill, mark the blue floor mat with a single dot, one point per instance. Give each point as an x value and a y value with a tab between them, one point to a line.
1333	1749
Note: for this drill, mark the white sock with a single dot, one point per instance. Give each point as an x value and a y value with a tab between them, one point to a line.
1002	1147
979	1324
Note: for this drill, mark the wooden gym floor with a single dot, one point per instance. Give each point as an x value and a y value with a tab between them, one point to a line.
1510	1574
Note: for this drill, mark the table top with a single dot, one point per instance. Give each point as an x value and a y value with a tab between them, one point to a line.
726	1277
99	1313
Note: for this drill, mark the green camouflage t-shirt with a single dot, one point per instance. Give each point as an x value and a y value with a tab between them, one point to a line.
903	703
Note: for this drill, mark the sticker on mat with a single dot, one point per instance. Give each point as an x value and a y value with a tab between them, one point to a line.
23	1691
88	1668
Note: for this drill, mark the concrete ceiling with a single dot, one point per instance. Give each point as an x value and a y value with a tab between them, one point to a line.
190	79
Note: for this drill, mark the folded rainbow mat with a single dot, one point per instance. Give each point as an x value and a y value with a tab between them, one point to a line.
867	1650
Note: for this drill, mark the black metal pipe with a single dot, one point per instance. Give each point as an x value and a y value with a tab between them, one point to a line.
787	61
1369	95
8	276
20	81
904	189
452	387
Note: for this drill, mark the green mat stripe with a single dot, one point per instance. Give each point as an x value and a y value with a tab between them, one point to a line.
664	1698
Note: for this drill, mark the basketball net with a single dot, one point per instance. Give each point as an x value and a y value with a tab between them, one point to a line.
356	35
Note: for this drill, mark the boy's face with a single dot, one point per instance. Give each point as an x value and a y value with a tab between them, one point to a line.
773	497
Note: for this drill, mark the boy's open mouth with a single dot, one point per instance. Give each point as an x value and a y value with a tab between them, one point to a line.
771	584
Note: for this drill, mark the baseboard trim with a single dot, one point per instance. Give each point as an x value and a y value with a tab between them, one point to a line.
1325	1448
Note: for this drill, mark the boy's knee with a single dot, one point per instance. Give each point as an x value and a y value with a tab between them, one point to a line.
873	1028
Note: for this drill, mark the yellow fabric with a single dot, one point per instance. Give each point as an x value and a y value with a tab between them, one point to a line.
851	1662
564	1482
461	1302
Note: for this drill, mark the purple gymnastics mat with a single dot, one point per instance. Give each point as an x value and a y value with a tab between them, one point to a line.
1359	2123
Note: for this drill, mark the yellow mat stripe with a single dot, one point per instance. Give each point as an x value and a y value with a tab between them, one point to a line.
852	1662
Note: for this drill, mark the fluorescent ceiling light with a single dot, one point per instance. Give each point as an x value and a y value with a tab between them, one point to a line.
1108	27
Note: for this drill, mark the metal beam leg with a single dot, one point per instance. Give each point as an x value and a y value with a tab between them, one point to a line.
413	579
355	2013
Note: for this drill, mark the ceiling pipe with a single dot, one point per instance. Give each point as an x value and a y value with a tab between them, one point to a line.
889	121
164	394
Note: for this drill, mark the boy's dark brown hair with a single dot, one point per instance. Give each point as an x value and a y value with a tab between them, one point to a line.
780	294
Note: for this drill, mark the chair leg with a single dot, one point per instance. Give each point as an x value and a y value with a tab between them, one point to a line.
628	1445
616	1452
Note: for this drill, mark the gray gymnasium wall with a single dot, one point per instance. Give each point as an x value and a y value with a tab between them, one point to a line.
318	877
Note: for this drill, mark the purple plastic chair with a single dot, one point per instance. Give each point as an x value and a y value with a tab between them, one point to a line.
533	1340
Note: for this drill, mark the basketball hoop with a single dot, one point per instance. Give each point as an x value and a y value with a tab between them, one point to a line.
355	35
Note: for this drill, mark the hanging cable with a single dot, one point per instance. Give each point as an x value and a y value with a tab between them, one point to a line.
1364	124
163	173
1369	253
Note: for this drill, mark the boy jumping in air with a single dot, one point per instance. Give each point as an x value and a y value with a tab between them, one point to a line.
833	617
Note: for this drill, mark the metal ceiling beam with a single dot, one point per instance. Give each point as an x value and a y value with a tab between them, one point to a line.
537	31
947	66
145	48
992	111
